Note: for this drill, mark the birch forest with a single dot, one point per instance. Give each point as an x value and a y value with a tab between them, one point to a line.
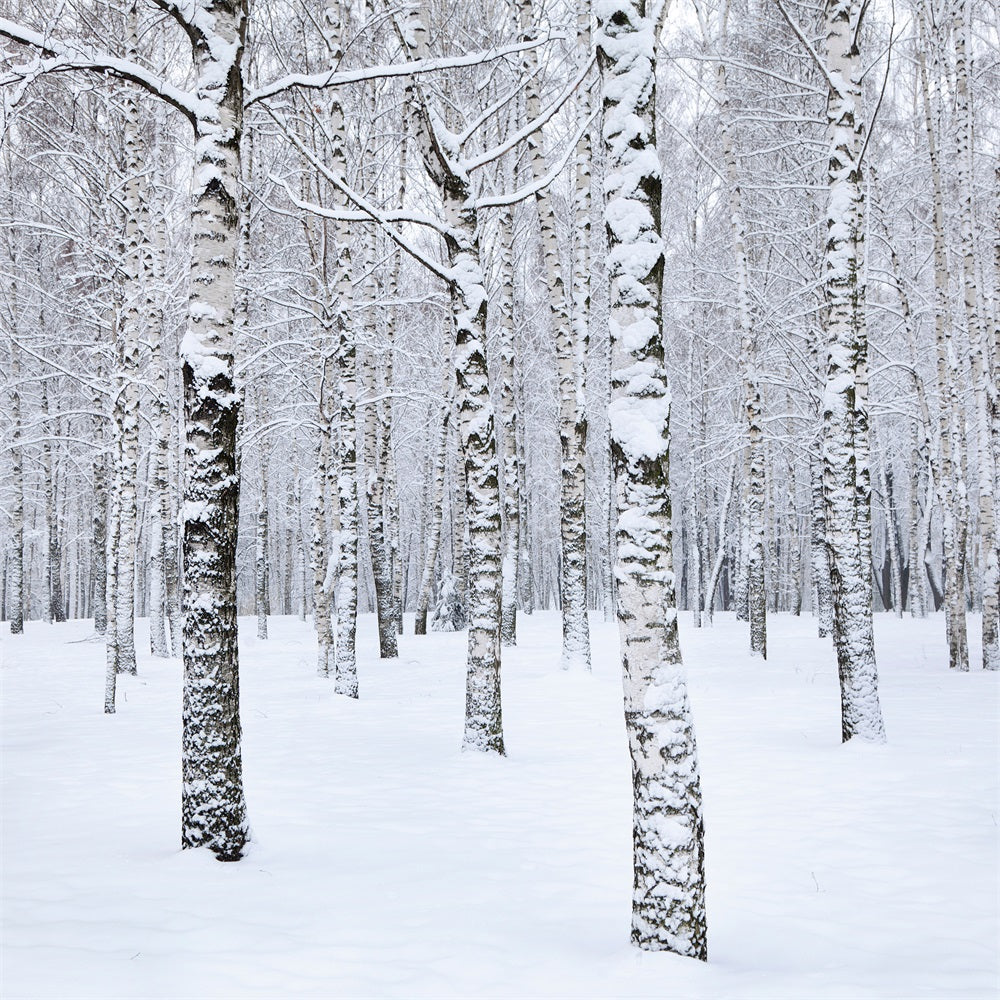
499	333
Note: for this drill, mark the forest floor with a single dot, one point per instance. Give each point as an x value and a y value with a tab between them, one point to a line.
385	862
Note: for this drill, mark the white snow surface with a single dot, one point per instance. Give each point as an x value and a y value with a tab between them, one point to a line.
387	863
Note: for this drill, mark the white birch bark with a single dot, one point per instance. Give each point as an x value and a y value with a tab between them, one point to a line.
325	663
213	809
571	337
720	554
668	904
436	513
348	510
16	615
483	719
509	428
949	481
261	560
755	463
983	385
845	415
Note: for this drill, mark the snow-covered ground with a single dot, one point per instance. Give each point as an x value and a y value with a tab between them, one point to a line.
387	863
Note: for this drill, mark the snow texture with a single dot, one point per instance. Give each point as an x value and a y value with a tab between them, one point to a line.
387	863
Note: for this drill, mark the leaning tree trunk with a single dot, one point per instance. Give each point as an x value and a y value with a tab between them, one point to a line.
845	414
483	719
668	903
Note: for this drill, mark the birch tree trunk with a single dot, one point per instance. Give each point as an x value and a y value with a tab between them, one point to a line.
261	539
668	903
98	543
212	803
845	414
948	479
984	386
469	299
720	555
436	514
509	428
325	664
16	615
161	534
572	413
348	510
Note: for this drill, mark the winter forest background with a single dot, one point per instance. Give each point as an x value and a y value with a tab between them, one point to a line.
352	350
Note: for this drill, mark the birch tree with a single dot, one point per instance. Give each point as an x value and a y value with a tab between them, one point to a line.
668	903
846	447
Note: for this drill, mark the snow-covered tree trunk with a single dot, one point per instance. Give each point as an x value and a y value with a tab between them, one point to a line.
756	552
161	535
325	663
469	299
741	590
668	906
895	575
346	589
916	580
509	427
171	564
212	803
451	614
167	608
113	530
375	487
53	583
755	463
16	614
261	568
984	386
845	406
98	544
568	332
348	508
820	556
436	513
134	318
720	555
948	476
